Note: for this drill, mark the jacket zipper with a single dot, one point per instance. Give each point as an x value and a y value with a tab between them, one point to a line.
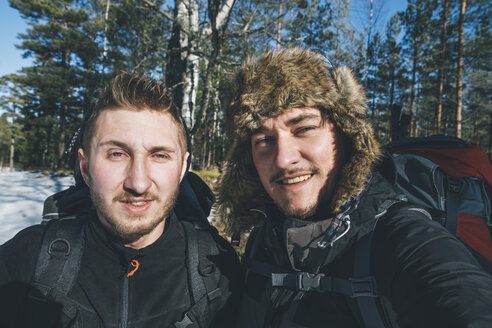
124	312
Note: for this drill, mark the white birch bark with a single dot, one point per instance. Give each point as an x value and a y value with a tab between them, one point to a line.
188	17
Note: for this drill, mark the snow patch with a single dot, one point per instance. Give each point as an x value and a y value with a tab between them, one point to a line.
22	195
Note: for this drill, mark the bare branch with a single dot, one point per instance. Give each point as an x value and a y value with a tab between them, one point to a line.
248	24
163	12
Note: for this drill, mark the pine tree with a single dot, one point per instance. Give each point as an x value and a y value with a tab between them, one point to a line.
390	75
478	74
415	20
63	51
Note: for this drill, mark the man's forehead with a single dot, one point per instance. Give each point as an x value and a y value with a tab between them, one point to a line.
119	118
125	124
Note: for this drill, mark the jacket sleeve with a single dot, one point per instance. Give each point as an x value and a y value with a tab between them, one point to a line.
230	284
18	258
428	275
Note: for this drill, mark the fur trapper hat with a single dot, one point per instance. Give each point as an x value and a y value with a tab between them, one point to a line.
269	85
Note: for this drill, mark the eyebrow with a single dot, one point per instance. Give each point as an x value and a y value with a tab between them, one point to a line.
127	148
293	121
302	117
113	143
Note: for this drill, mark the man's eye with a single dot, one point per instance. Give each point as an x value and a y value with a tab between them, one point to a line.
161	156
263	140
116	154
304	129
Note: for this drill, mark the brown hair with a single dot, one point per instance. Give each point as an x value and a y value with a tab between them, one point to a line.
135	93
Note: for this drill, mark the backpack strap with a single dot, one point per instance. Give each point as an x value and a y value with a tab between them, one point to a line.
203	277
369	304
362	268
58	263
452	201
362	286
304	281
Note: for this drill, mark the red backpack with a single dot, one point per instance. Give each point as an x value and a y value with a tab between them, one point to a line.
456	184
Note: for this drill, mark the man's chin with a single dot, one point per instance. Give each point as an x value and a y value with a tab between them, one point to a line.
126	234
125	237
298	212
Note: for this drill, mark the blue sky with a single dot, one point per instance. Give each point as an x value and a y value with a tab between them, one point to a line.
11	24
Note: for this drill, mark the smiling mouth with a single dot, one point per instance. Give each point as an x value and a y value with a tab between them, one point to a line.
137	203
295	180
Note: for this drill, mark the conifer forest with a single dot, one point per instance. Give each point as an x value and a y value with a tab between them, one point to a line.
429	66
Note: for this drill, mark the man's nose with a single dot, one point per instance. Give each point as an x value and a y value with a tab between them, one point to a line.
138	176
287	152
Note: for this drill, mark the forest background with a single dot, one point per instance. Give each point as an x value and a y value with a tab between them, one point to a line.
431	63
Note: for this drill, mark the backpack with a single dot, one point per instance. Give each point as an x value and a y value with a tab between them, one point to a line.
63	244
453	181
449	179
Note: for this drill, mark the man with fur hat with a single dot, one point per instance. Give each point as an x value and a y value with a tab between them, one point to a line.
307	172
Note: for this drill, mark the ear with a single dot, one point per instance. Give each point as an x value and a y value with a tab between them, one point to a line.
84	165
183	169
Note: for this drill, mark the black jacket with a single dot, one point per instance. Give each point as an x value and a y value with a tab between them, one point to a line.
156	295
425	276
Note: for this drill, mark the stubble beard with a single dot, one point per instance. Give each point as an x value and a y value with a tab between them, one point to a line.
321	201
302	213
121	227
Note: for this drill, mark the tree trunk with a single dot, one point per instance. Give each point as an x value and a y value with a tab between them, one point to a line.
217	40
218	22
176	64
392	96
369	36
66	62
279	24
438	116
61	141
412	89
12	149
415	40
192	72
183	68
459	81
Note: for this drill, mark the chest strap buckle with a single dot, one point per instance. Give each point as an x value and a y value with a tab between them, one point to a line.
304	281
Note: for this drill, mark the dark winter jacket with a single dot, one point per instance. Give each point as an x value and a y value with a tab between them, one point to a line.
156	295
425	276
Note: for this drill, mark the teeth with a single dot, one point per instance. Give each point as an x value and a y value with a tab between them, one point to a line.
296	179
137	203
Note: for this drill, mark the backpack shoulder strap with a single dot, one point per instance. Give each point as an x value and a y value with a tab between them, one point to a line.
367	303
58	262
452	201
203	276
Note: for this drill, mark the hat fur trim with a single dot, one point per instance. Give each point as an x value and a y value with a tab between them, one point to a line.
270	85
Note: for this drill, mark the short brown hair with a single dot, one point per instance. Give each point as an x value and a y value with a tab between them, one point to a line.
135	93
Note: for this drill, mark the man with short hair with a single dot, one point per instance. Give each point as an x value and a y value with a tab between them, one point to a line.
137	268
305	170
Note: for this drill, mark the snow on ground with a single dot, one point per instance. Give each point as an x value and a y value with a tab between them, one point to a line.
22	195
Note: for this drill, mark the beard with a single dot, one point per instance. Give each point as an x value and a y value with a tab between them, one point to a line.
320	203
302	213
128	228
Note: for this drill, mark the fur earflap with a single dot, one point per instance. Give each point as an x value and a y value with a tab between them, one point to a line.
269	85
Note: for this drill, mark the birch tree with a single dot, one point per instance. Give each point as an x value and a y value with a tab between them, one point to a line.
188	34
459	79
